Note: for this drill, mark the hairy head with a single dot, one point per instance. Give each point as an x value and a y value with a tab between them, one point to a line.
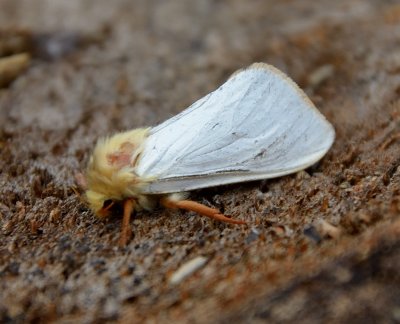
111	173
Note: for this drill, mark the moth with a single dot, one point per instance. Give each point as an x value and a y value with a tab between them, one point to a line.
258	125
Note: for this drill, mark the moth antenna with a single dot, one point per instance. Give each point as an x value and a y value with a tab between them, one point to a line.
109	206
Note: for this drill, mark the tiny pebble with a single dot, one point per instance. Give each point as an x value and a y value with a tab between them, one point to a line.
301	175
253	236
55	214
327	229
311	232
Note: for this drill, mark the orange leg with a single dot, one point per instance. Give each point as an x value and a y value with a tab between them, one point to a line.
126	232
200	209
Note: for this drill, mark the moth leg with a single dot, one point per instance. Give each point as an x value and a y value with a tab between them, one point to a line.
126	232
200	209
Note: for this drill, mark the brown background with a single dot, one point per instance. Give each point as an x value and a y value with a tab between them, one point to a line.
103	66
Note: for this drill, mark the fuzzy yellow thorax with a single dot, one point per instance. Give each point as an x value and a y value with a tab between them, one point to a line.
111	172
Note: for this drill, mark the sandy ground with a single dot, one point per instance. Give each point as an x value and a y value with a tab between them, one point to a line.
322	245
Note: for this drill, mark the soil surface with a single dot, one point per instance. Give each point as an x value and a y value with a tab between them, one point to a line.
322	245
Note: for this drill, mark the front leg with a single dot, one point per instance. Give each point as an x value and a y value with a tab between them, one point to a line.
126	231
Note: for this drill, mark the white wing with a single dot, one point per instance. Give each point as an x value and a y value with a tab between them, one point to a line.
257	125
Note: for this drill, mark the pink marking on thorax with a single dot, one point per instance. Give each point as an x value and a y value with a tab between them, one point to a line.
122	157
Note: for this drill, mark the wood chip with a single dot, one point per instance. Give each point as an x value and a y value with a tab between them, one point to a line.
187	269
319	75
12	66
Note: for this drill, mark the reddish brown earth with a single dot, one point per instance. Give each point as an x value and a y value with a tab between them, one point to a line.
322	245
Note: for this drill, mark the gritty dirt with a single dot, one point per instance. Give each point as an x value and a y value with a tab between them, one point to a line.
322	245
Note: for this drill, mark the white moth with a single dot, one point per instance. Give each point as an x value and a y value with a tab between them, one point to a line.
257	125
